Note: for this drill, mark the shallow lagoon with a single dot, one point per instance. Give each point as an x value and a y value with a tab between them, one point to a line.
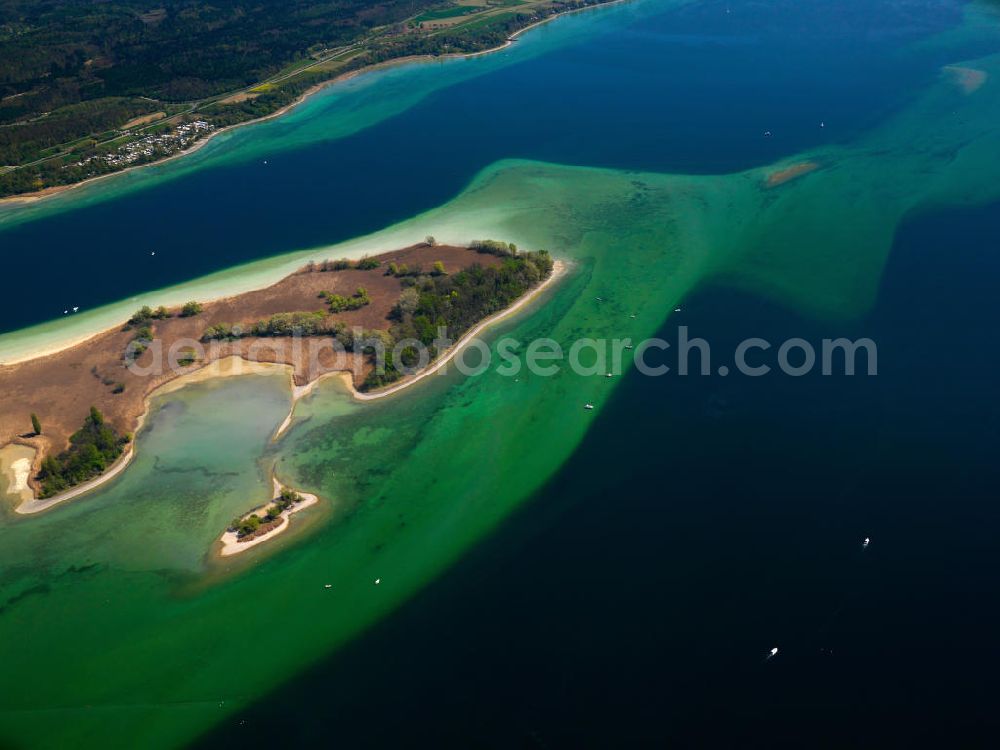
400	472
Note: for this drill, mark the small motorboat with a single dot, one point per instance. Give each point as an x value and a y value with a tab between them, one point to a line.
378	581
628	346
866	542
328	586
610	375
588	406
772	653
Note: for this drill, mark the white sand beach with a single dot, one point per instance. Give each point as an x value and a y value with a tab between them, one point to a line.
16	461
15	469
231	544
33	505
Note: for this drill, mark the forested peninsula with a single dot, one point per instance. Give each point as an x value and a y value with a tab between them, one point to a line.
379	320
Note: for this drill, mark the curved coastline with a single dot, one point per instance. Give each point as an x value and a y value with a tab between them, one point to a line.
481	445
34	505
211	371
230	542
559	269
58	334
50	192
235	365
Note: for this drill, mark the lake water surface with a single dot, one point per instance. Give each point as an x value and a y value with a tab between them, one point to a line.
550	575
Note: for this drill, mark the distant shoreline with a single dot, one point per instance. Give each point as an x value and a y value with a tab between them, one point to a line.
40	195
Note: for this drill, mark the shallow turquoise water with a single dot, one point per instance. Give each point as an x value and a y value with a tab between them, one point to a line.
654	85
415	482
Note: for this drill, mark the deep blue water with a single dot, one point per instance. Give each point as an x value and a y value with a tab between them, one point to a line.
705	520
688	90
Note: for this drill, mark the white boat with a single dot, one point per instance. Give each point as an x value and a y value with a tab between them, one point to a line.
677	309
378	581
588	406
772	653
866	542
610	375
328	586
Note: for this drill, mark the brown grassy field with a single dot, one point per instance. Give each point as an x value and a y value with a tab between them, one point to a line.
144	120
60	388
